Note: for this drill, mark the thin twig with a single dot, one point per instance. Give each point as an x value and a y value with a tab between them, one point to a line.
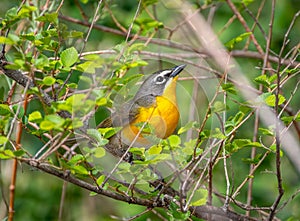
256	120
95	18
244	23
62	200
226	203
15	161
134	18
277	133
127	150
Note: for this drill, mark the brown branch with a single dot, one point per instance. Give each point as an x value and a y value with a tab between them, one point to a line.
277	132
256	120
65	175
256	55
180	46
95	18
200	212
244	24
23	80
12	186
216	213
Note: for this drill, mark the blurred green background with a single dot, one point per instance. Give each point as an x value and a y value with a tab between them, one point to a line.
38	195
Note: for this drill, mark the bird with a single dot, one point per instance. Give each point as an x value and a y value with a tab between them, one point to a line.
154	106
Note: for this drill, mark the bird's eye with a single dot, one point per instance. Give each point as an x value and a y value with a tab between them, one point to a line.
160	79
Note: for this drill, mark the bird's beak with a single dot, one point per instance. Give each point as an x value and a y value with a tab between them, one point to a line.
176	70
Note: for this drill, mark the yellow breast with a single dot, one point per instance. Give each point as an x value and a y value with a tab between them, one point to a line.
163	117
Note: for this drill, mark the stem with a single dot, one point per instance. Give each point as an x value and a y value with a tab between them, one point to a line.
277	136
12	186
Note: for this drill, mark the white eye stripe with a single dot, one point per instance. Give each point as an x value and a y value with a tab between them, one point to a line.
165	72
160	79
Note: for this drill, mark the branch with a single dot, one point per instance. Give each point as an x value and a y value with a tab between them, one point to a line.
202	212
22	80
180	46
65	175
216	213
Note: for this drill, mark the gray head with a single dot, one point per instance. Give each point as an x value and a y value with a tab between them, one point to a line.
157	82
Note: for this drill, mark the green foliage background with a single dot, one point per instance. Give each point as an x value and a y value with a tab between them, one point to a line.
38	195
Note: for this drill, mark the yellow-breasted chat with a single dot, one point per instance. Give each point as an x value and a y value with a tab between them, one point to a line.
154	105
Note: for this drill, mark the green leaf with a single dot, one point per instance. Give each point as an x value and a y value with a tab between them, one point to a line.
188	126
176	212
246	143
100	180
154	150
99	152
231	44
238	118
255	160
200	198
21	111
217	133
72	85
271	100
174	140
153	159
49	80
136	47
51	122
88	67
5	40
79	169
47	125
41	62
6	154
229	87
57	120
3	140
241	142
69	57
101	101
96	135
11	13
146	3
265	131
76	159
35	116
93	194
124	167
189	147
76	123
289	119
28	36
4	110
19	153
76	34
218	107
26	10
148	23
247	2
263	79
238	144
138	151
108	131
273	148
49	17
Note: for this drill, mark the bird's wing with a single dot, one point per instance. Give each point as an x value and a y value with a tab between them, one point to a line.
144	101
